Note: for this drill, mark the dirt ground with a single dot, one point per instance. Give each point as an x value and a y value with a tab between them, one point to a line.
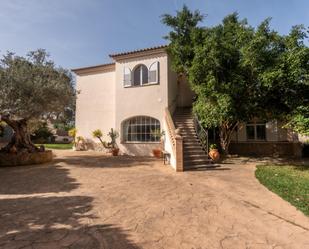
86	200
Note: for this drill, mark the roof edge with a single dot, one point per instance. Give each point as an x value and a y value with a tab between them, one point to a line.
92	69
138	51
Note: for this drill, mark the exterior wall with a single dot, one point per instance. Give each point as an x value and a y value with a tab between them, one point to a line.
185	94
172	88
95	105
168	147
279	142
274	133
266	148
148	100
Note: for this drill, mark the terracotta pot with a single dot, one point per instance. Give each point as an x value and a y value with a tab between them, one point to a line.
214	155
115	151
157	153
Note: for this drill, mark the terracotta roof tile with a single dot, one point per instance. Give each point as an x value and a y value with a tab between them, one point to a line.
137	51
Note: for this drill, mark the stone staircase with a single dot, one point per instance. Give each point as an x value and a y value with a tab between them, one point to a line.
193	154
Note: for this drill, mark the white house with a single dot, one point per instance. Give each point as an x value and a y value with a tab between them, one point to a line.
139	93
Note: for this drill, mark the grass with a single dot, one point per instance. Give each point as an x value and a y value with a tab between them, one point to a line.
289	182
58	146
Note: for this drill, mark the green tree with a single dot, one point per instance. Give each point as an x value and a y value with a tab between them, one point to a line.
185	33
299	120
31	88
240	72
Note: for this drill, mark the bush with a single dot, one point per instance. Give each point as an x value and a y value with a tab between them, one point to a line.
42	134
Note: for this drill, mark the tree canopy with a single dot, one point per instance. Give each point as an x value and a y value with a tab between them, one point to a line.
240	72
32	87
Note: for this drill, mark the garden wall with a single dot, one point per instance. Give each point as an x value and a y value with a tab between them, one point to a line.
266	148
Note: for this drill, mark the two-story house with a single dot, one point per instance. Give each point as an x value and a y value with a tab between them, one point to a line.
139	93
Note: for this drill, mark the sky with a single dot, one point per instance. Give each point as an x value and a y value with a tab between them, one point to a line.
79	33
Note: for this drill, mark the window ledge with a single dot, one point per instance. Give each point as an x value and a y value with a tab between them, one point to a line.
148	84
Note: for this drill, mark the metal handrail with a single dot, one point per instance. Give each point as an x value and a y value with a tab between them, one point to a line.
201	133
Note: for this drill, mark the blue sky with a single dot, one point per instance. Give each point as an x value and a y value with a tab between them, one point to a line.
80	33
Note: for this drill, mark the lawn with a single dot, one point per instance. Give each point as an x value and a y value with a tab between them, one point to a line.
58	146
289	182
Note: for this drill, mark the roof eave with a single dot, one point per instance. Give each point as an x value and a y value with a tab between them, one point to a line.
93	69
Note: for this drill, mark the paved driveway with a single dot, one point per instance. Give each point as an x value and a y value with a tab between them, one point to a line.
84	200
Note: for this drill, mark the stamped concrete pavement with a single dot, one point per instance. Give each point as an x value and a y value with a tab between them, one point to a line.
86	200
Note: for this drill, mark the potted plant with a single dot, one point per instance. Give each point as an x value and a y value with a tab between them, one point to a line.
214	153
80	143
112	145
72	133
157	134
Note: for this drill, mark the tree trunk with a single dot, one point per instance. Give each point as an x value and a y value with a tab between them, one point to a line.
226	131
20	140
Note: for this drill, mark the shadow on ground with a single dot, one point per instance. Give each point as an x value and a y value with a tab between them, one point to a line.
91	161
56	222
35	179
53	177
208	168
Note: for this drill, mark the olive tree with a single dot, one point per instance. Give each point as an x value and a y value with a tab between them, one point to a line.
31	88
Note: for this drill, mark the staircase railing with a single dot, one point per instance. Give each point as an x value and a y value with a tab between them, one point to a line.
202	134
176	140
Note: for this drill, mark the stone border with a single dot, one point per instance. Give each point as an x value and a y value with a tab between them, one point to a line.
7	159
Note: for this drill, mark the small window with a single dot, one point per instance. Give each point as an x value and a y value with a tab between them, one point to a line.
141	129
256	131
140	75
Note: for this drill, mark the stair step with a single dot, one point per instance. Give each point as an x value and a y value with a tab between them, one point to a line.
183	122
196	153
193	151
196	161
192	146
187	138
185	126
194	164
191	142
188	157
202	166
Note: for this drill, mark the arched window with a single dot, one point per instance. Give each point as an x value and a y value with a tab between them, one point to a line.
140	75
141	129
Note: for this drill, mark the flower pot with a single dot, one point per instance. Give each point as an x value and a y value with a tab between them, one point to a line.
214	155
115	151
157	153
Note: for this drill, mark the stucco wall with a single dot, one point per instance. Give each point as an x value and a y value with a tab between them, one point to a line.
147	100
266	148
185	94
172	88
95	105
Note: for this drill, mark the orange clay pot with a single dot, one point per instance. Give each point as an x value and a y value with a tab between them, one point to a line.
115	151
157	153
214	155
